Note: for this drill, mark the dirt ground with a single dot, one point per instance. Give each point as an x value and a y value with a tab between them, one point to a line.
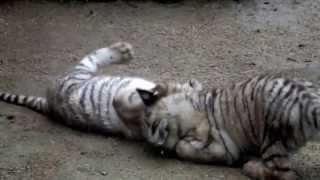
217	42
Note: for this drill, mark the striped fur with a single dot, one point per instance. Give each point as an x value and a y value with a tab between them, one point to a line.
38	104
108	104
258	123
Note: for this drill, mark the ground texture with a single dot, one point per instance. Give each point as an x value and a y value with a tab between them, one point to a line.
217	42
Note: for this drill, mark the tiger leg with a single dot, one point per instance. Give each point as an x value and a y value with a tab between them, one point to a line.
119	52
258	169
274	164
196	151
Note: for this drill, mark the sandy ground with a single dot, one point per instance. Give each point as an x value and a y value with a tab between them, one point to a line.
217	42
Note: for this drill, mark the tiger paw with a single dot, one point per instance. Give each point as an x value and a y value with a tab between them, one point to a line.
123	50
287	175
255	169
158	132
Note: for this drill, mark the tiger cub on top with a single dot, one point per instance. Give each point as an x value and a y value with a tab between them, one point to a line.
108	104
257	123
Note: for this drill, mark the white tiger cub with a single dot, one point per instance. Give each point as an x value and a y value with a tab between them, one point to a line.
257	123
108	104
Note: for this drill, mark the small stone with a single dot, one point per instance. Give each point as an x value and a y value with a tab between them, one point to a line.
83	153
103	173
292	59
258	31
251	63
266	2
10	117
301	45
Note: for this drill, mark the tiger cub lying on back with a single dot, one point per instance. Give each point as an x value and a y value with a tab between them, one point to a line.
108	104
258	123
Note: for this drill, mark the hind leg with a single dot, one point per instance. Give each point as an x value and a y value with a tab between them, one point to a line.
196	151
274	164
258	169
119	52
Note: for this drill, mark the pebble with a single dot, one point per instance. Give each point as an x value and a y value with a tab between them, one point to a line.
103	173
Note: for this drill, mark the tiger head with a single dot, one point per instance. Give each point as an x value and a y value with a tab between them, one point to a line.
171	116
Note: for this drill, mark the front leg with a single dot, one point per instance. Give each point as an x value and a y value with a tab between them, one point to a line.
197	151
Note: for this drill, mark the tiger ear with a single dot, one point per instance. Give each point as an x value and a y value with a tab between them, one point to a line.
150	97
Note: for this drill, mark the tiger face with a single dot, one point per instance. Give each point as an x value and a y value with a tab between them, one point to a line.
171	117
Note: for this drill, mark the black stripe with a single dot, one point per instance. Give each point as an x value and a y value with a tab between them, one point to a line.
69	90
277	115
280	100
15	99
250	119
276	98
258	106
109	96
255	87
243	103
288	129
221	105
284	115
83	96
209	110
263	94
270	106
92	92
24	101
226	105
70	78
307	110
220	135
301	126
235	106
2	95
314	117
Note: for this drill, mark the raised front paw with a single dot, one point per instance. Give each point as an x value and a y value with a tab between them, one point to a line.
124	50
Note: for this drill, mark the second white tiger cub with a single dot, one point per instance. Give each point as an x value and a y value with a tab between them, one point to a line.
109	104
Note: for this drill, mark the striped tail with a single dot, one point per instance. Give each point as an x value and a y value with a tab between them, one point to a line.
38	104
